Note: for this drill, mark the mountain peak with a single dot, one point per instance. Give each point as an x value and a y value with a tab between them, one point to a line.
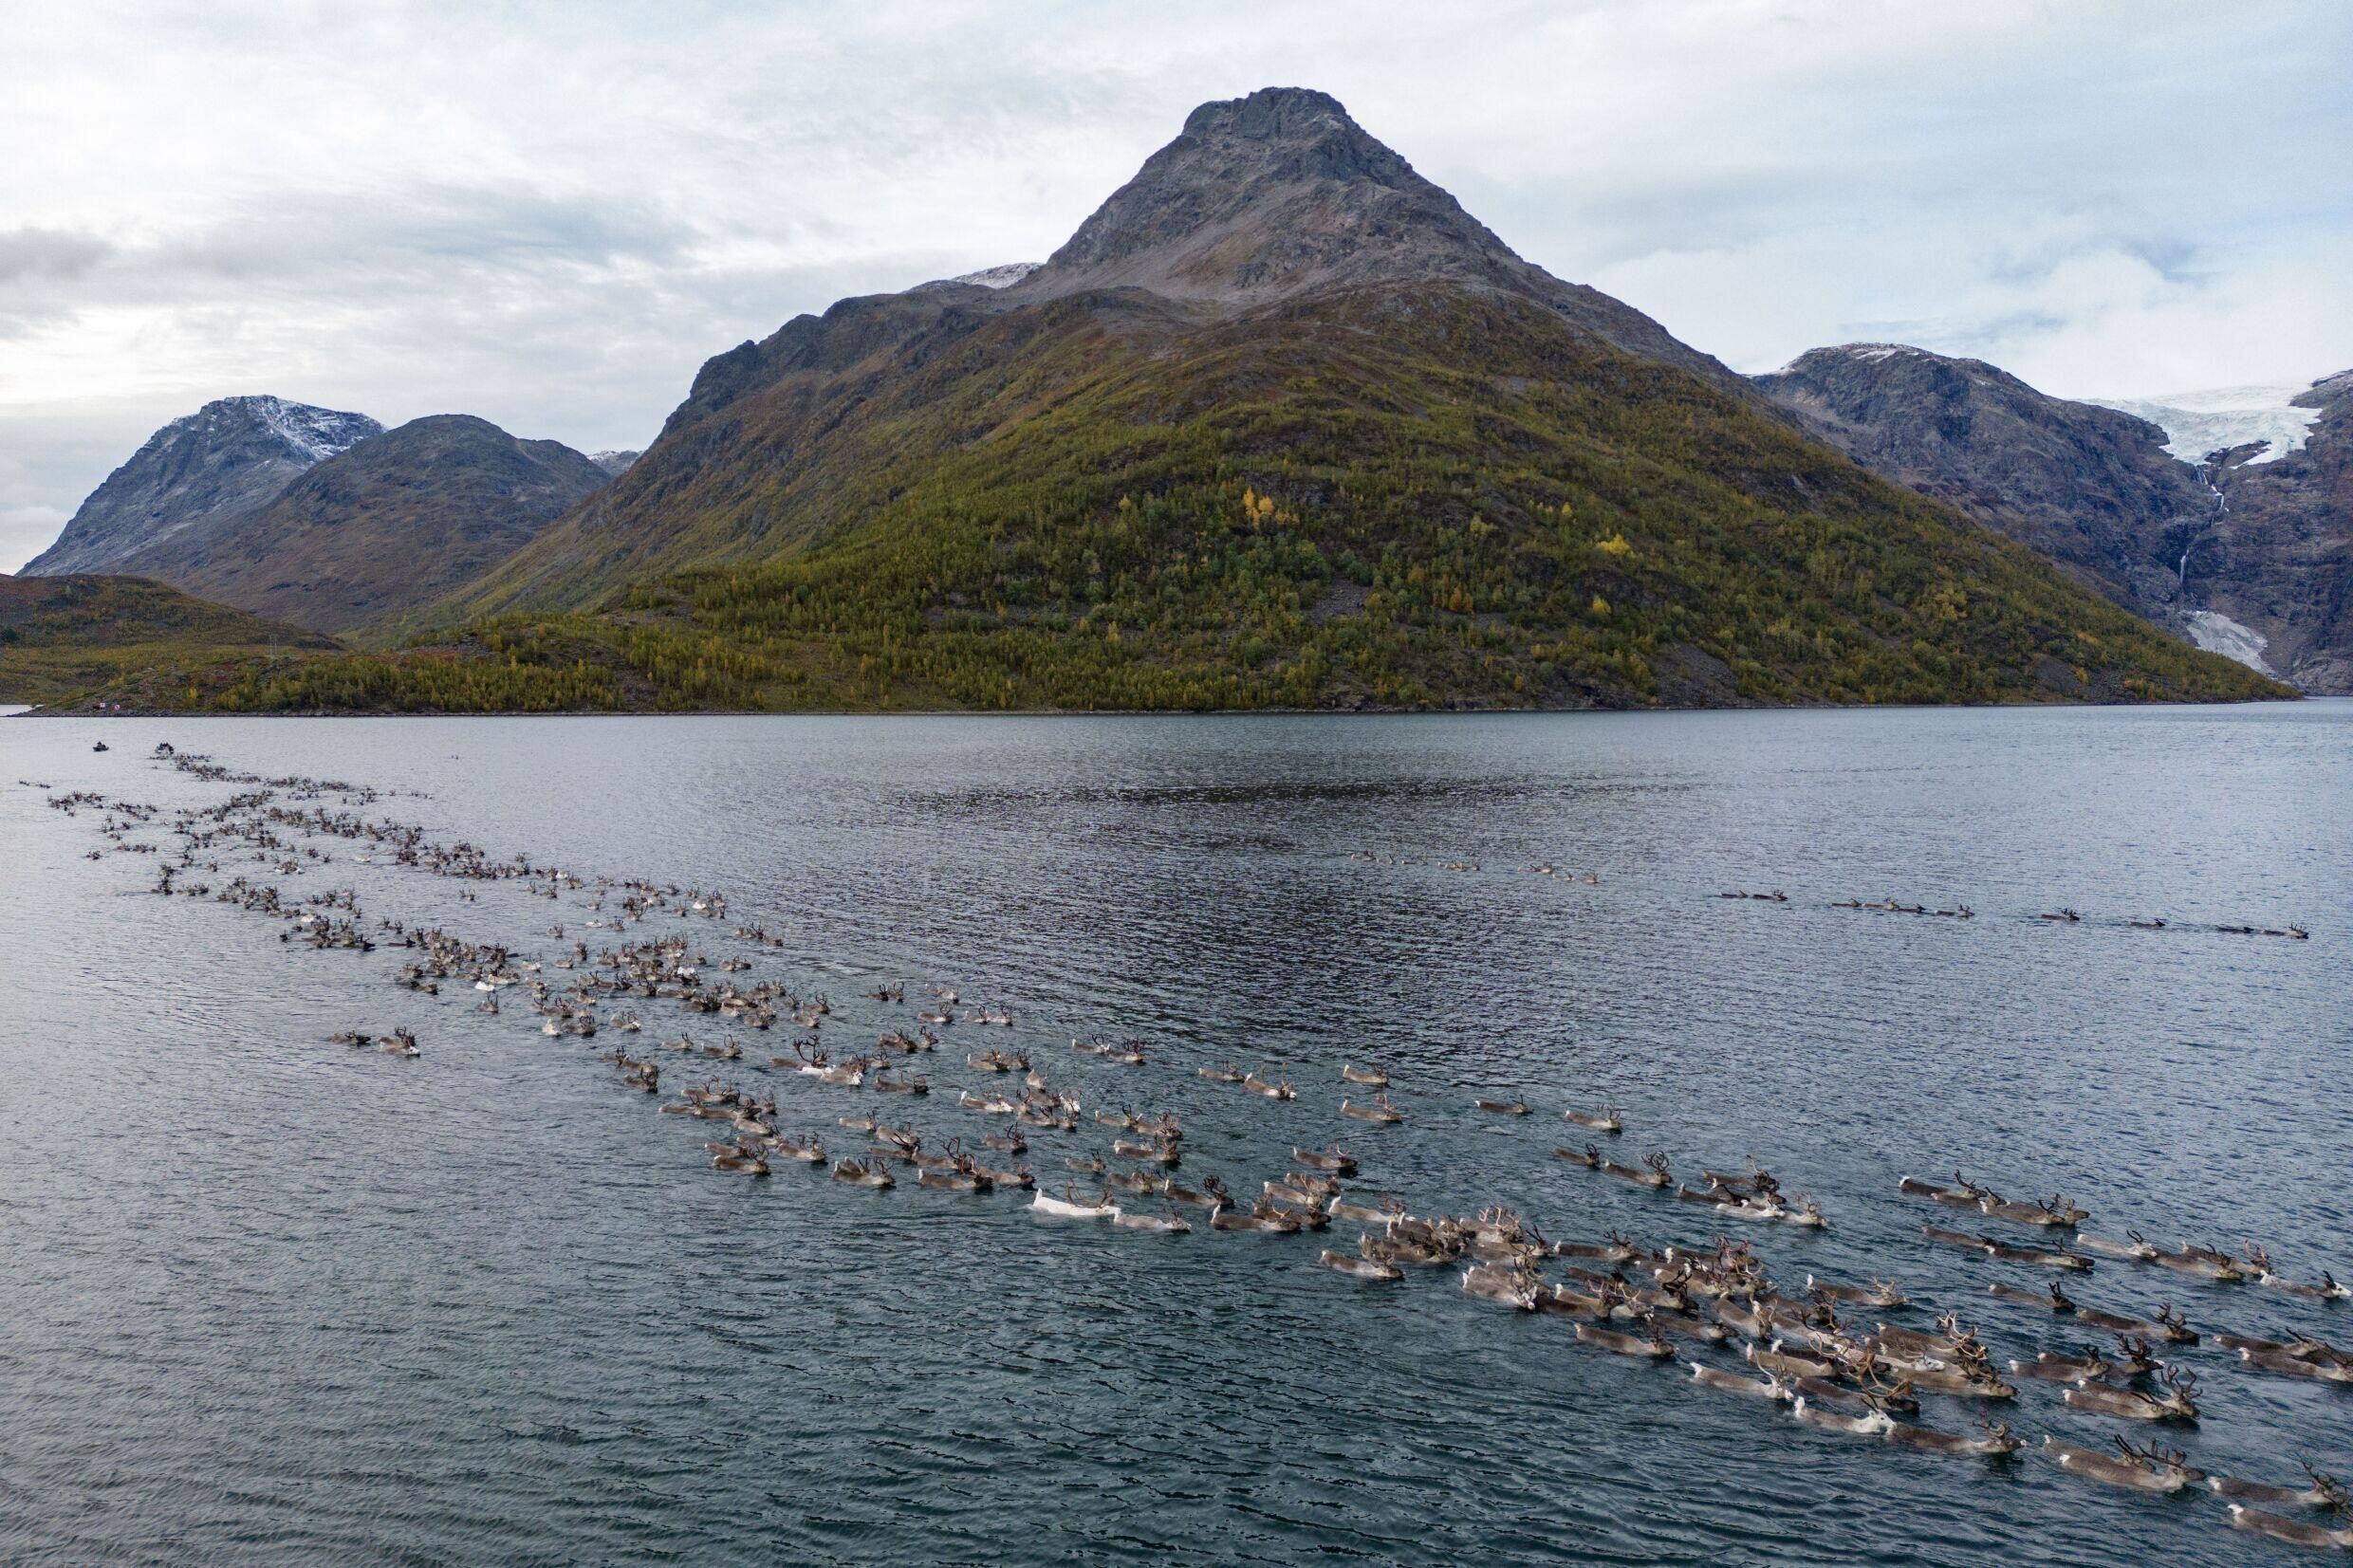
1272	112
1269	195
229	459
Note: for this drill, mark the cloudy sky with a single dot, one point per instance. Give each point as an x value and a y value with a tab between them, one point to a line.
548	214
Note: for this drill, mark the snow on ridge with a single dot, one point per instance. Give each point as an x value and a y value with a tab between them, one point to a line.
2218	634
1870	353
2196	423
1002	276
318	433
312	433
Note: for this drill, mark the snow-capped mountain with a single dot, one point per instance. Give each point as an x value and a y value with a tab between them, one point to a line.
229	459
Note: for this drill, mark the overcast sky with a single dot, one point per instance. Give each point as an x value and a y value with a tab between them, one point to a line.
548	214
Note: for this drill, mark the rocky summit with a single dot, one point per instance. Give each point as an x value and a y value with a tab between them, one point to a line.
224	462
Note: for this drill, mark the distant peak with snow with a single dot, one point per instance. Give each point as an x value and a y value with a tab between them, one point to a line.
1005	275
225	461
310	433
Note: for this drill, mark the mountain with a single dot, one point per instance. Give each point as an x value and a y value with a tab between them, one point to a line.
2278	561
1280	426
146	642
389	524
2090	487
1281	194
225	461
613	463
2245	557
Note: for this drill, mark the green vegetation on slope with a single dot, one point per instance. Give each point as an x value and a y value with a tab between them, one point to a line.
1398	498
145	645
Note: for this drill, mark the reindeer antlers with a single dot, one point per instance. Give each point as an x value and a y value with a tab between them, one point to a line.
2152	1454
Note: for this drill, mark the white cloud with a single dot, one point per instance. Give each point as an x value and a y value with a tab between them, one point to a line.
549	214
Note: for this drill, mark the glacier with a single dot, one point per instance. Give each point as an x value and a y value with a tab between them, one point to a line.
2196	423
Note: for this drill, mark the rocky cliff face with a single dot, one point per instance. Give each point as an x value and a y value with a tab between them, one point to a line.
224	462
2090	487
2245	554
2278	559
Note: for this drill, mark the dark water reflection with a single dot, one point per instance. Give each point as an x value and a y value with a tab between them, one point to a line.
264	1297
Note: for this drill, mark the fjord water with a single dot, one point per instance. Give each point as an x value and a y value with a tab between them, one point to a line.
262	1297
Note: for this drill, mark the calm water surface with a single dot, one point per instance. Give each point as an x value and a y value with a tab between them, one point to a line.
264	1298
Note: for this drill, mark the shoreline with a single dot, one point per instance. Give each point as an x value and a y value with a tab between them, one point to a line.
36	712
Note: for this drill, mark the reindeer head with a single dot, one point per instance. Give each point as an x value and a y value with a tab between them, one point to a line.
2324	1488
1657	1160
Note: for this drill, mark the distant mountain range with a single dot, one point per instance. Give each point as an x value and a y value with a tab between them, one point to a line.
2226	517
1280	425
321	518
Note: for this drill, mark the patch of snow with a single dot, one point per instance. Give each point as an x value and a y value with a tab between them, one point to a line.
2198	423
2218	634
1004	276
314	434
1871	353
